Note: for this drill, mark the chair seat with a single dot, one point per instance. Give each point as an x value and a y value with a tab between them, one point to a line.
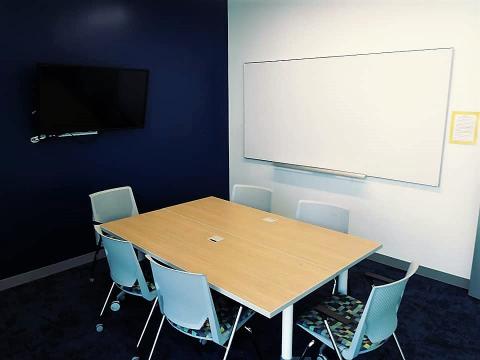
135	289
147	273
227	311
345	306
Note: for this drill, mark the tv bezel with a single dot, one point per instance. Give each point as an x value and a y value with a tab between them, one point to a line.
37	112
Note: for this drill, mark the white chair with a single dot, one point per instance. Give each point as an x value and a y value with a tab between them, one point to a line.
254	196
322	214
125	272
113	204
109	205
325	215
187	303
352	327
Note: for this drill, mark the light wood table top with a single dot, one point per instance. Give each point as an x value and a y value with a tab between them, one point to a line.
264	265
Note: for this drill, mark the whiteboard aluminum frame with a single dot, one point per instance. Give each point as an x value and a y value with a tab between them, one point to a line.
334	172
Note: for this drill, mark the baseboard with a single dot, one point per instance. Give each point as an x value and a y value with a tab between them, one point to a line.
45	271
422	270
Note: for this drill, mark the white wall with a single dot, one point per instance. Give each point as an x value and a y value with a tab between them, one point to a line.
436	226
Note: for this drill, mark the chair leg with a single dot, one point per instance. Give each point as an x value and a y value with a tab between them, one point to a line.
115	305
398	344
146	323
333	340
321	350
233	332
254	342
99	324
307	348
334	289
94	261
156	338
121	296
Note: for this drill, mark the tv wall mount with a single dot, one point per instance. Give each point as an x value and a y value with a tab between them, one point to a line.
36	139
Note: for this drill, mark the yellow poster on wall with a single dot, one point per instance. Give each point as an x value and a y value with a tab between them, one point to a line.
464	127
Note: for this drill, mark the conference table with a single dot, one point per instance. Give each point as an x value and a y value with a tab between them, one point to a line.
263	261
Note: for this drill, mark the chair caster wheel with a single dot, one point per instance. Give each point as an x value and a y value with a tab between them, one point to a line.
92	280
99	328
136	358
115	305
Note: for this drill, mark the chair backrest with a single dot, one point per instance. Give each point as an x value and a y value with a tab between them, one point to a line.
122	261
253	196
113	204
185	298
322	214
379	318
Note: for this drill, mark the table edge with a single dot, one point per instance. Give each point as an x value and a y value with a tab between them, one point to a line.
262	311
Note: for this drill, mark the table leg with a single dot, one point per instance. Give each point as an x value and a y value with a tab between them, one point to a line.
343	283
287	333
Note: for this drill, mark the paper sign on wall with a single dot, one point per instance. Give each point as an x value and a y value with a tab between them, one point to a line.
464	127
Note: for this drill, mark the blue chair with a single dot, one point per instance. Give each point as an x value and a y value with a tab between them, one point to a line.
125	272
253	196
325	215
109	205
188	305
352	327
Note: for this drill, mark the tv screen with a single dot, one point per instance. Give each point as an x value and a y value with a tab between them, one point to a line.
84	98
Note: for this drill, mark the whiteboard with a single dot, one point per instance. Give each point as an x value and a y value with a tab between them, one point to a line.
382	114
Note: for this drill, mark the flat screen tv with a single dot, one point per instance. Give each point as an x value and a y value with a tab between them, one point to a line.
73	98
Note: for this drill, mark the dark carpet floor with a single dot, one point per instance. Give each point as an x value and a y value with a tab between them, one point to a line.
54	318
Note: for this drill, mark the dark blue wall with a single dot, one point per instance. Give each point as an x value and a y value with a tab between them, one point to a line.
182	153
